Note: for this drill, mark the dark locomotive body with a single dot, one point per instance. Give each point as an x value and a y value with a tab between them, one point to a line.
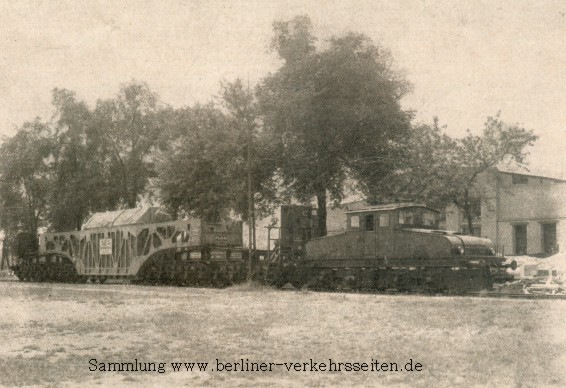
187	252
394	246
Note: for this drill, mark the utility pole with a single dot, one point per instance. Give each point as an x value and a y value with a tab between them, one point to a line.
251	217
250	206
4	258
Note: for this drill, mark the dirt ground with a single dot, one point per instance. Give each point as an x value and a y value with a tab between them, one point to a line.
66	335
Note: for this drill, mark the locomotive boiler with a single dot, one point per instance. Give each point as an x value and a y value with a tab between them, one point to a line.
395	246
140	245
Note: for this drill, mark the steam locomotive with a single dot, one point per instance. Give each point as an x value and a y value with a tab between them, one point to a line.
396	246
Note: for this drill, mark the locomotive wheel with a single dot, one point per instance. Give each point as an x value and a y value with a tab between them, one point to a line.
289	275
349	281
435	279
466	279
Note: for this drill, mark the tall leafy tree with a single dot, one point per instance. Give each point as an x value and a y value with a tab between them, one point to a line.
334	113
77	187
425	164
499	143
24	177
130	128
241	110
190	180
204	171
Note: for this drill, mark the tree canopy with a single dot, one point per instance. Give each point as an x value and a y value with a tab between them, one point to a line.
204	171
441	170
84	160
333	113
24	177
76	185
129	129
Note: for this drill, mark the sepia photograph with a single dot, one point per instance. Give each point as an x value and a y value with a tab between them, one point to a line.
283	193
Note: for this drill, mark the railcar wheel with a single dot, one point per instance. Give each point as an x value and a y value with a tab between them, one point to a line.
327	280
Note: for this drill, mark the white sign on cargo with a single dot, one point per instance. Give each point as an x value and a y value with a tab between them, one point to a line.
105	246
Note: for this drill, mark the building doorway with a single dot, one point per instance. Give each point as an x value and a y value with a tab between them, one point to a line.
549	238
520	234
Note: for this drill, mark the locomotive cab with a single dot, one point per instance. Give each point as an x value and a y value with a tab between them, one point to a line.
393	216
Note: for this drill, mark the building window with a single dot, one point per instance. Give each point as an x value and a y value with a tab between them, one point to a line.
430	219
520	239
369	222
549	244
517	179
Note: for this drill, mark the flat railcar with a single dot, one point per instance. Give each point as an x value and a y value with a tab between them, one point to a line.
186	252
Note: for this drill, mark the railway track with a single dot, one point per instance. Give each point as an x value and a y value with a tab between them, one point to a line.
478	294
518	296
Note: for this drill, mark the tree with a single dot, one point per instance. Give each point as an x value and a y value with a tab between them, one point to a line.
204	171
441	170
24	177
130	128
499	143
424	164
334	113
242	119
190	181
77	187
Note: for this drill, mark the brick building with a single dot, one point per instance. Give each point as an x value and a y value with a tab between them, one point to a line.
521	213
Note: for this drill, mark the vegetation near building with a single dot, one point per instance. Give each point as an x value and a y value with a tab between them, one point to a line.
328	120
440	170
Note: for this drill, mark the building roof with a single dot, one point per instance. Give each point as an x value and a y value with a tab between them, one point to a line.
523	171
140	215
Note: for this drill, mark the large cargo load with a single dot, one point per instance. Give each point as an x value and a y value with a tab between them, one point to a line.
123	244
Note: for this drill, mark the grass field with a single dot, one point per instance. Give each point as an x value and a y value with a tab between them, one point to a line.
50	332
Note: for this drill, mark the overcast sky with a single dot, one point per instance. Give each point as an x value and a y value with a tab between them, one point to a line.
466	60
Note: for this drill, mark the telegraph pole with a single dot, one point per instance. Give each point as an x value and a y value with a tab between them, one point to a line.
250	206
251	216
